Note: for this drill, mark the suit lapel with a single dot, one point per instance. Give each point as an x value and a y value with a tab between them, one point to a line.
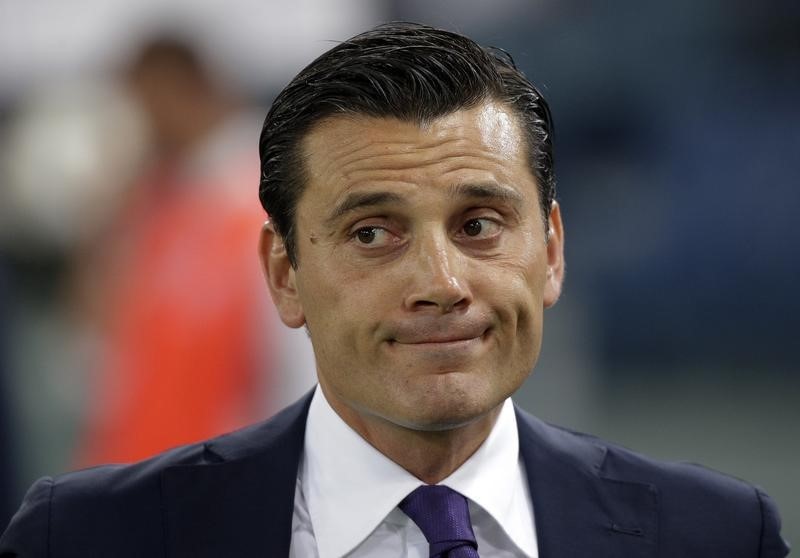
580	511
240	501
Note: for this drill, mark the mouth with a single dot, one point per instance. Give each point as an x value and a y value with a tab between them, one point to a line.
442	340
440	353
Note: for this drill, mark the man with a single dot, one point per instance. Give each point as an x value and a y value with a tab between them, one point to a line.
413	231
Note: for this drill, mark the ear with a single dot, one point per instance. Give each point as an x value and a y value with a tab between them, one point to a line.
555	257
280	277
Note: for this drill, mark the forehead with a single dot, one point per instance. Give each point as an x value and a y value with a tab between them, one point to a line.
478	145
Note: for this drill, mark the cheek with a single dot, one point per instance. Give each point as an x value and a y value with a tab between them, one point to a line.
338	303
521	280
518	291
320	297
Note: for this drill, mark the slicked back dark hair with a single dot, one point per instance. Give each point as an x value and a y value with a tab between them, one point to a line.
400	70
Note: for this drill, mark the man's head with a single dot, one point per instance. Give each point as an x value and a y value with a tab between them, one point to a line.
178	93
406	71
408	231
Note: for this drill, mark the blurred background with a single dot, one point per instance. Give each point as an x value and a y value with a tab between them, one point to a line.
132	311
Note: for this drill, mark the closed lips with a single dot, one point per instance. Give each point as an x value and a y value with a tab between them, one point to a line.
426	335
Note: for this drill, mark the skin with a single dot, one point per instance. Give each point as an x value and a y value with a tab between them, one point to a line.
423	272
181	104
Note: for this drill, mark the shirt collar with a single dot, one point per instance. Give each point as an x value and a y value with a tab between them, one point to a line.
342	475
494	478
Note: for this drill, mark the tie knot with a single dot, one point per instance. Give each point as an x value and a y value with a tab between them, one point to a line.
442	514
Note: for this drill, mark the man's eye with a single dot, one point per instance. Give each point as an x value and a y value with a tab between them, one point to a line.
473	227
482	228
371	235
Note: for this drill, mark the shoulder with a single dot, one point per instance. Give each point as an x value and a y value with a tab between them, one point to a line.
672	479
616	462
118	510
698	507
716	509
84	509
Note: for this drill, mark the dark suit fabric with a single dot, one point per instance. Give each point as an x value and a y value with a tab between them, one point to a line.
233	496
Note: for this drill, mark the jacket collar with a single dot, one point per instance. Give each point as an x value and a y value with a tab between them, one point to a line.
580	508
240	500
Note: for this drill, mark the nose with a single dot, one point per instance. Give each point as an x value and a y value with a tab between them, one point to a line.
437	279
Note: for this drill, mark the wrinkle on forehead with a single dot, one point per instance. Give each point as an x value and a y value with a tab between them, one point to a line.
354	150
497	128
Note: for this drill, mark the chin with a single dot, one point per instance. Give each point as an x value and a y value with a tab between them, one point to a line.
445	415
444	425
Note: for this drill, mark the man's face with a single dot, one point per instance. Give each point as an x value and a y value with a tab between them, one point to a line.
423	265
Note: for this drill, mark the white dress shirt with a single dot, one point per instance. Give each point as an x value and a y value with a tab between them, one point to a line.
347	494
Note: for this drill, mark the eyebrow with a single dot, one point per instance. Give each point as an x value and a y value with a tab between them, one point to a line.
359	200
486	191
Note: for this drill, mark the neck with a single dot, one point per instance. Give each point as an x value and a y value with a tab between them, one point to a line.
429	455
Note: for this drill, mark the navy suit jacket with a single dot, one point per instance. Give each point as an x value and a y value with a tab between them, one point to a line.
234	496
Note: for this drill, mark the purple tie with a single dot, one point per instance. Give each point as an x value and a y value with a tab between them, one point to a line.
442	514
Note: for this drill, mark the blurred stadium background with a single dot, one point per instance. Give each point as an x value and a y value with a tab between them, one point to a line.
678	158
